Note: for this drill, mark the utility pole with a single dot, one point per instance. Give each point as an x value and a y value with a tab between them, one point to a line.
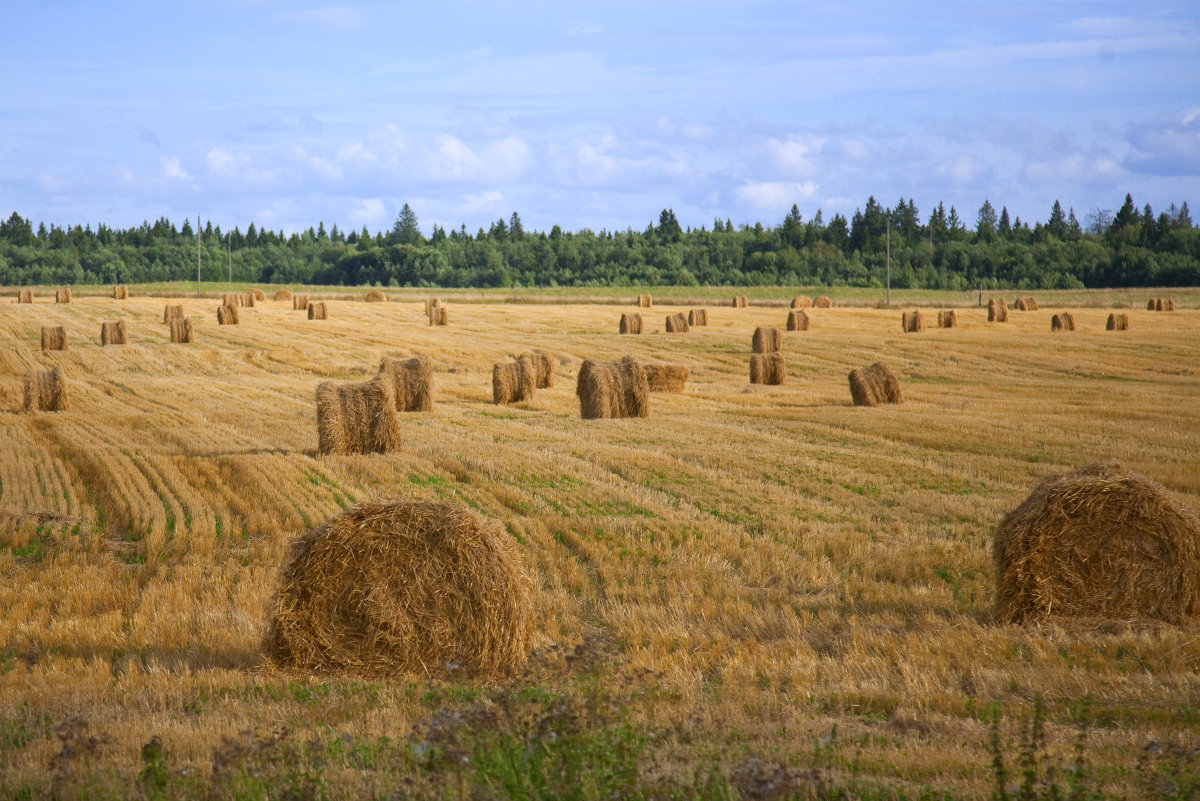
889	259
229	244
197	255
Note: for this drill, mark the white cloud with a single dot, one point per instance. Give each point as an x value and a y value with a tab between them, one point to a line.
338	18
490	202
794	157
1076	169
775	196
173	168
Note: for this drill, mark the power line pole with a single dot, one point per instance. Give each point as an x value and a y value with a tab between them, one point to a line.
229	243
197	255
889	259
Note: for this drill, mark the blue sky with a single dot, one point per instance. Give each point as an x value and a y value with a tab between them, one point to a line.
590	114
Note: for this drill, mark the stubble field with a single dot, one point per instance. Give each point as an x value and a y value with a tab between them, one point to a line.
752	583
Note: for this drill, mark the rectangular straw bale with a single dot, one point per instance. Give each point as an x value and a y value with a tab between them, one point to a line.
698	317
612	389
25	296
171	313
227	315
317	310
112	333
677	324
513	382
631	323
767	368
766	340
357	417
45	390
797	320
181	331
54	337
412	382
1117	322
912	322
873	385
801	302
666	377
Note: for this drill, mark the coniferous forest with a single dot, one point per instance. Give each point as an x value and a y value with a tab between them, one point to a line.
1131	247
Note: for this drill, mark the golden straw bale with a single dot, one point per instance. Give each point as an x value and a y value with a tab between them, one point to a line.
1099	542
666	377
45	390
171	313
54	337
513	382
1117	322
797	320
948	319
25	296
697	317
822	302
258	295
227	315
740	302
412	382
62	295
181	331
801	302
375	296
431	303
438	315
112	333
766	340
543	369
1057	323
299	302
1068	320
1026	303
317	310
767	368
248	300
1169	304
357	417
912	322
997	310
677	324
403	586
1154	304
645	301
631	323
612	389
232	299
873	385
283	294
120	292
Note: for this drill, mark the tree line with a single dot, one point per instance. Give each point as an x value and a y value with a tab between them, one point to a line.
1132	247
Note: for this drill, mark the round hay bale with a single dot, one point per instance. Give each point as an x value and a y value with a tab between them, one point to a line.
357	417
513	382
227	315
740	302
666	377
171	313
1169	304
768	368
677	324
45	390
1099	542
299	302
873	385
412	381
258	295
822	302
543	369
698	317
112	333
438	315
233	299
948	319
612	389
1117	322
766	340
1154	304
645	301
283	294
631	324
317	310
801	302
1068	320
997	310
399	587
182	331
25	296
1057	323
62	295
912	322
797	320
375	296
54	337
120	292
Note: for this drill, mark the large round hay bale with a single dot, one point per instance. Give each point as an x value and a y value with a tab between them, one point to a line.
801	302
283	294
25	296
1117	322
645	301
317	310
438	315
698	317
121	292
1068	320
677	324
766	340
1169	304
182	331
412	382
112	333
822	302
740	302
873	385
1057	323
948	319
997	310
45	390
399	587
357	417
227	315
768	368
258	295
376	296
62	295
233	299
299	302
612	389
513	382
912	322
54	337
1100	542
543	369
171	313
631	324
797	320
1154	304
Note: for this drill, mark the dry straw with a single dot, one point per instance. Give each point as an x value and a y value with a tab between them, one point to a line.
25	296
1100	542
801	302
258	295
948	319
233	299
612	389
62	295
1169	304
398	587
873	385
248	300
112	333
437	315
767	368
997	310
357	417
823	302
181	331
677	324
227	315
1026	304
45	390
740	301
645	301
299	302
766	340
431	303
698	317
318	311
631	323
283	294
375	296
1068	320
412	382
1154	304
172	313
1117	322
912	322
54	337
666	377
543	369
797	320
120	292
513	382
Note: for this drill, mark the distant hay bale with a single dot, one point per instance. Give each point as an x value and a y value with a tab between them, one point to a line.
317	310
1154	304
766	340
948	319
612	389
631	323
438	315
740	301
997	310
249	300
767	368
62	295
1057	323
666	377
1169	304
171	313
112	333
375	296
797	320
45	390
395	587
283	294
1026	304
822	302
412	382
802	302
512	382
1099	542
120	292
357	417
1117	322
543	369
233	299
25	296
227	315
1068	320
912	322
181	331
258	295
54	337
299	302
677	324
698	317
645	301
431	303
873	385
